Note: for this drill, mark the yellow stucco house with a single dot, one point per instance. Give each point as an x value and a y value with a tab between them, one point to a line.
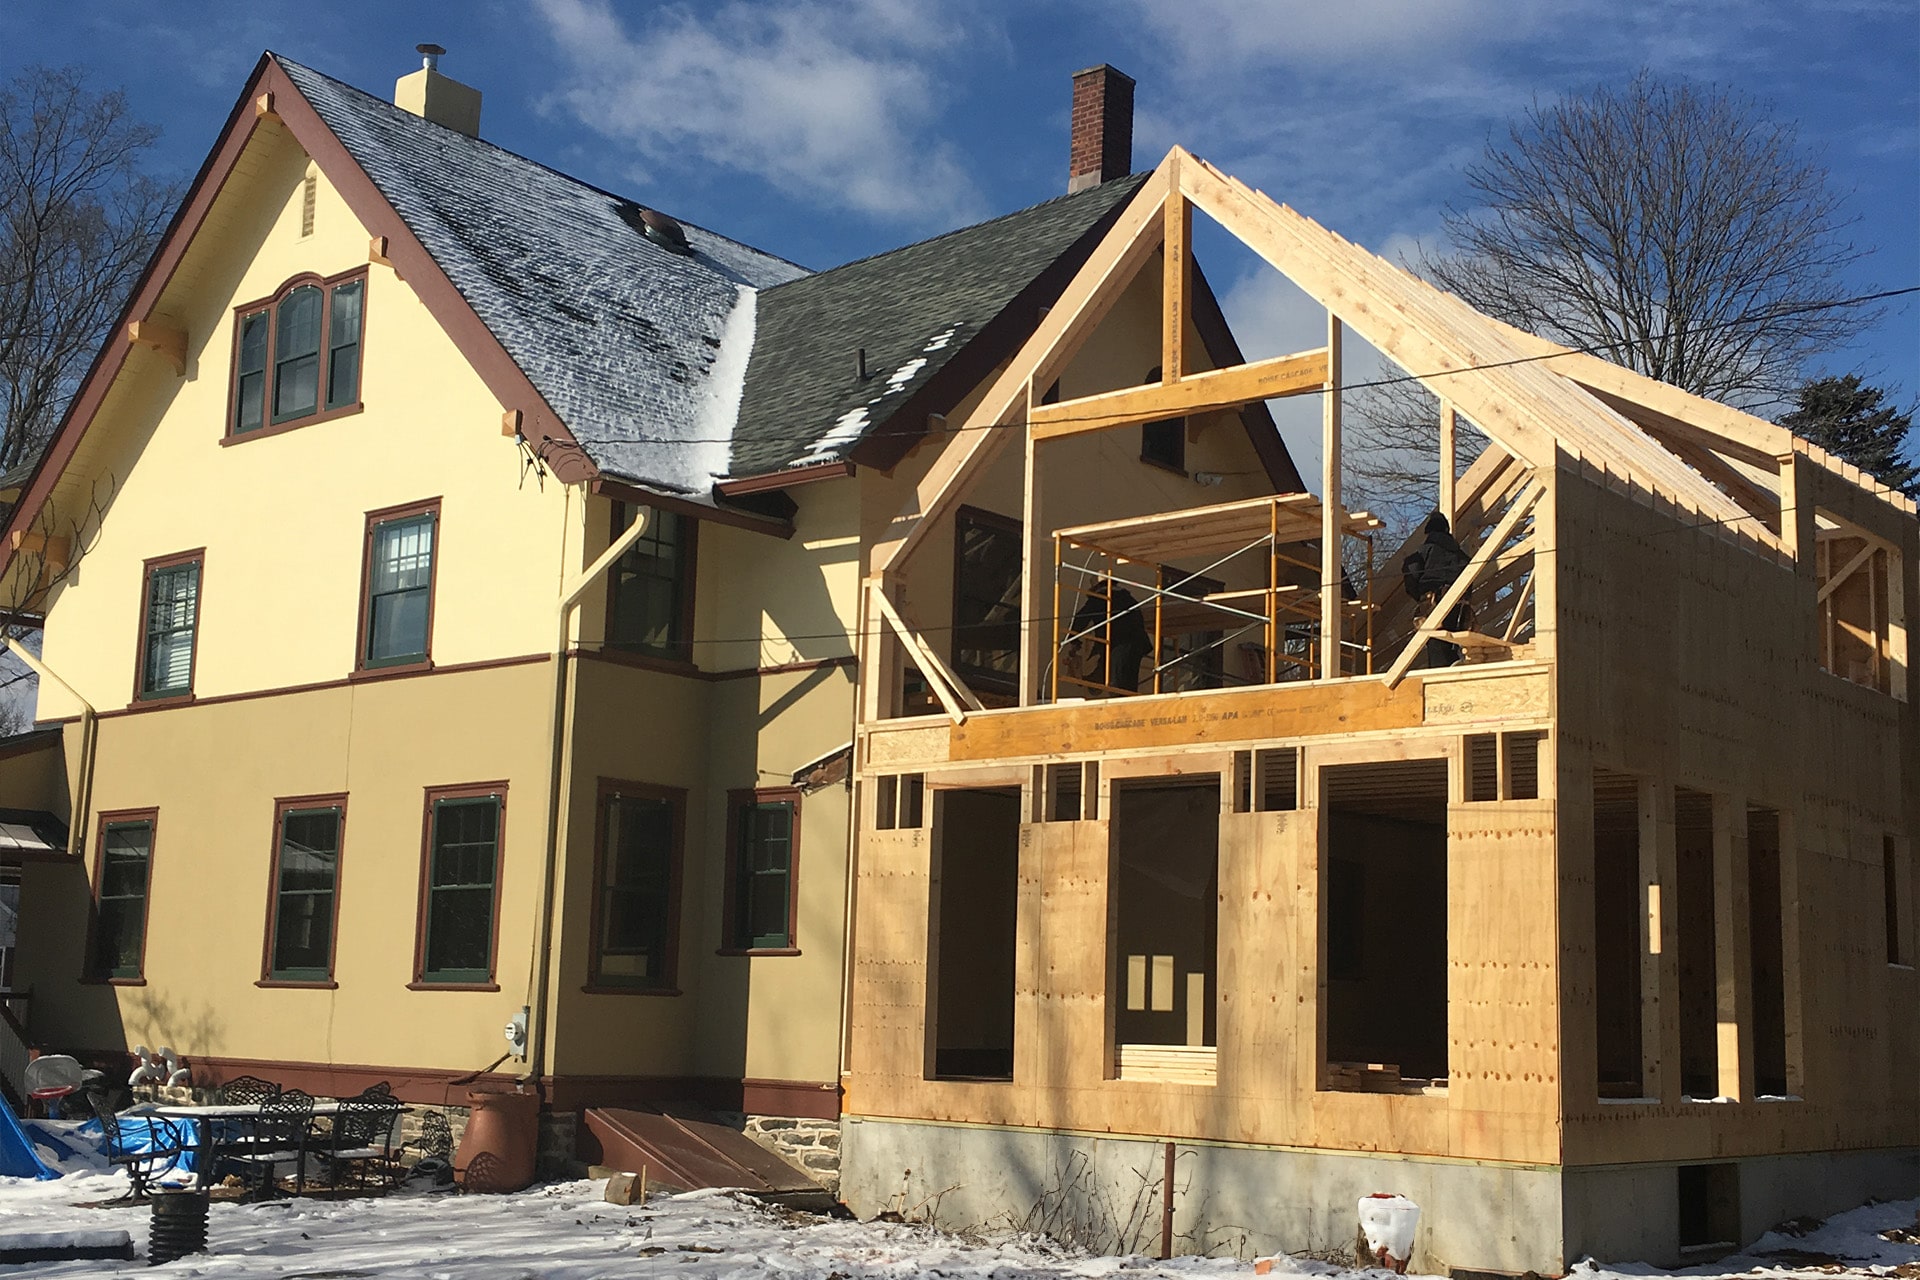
450	575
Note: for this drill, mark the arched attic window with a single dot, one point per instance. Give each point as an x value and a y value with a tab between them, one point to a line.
297	355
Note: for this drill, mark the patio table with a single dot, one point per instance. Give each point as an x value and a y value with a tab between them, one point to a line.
207	1119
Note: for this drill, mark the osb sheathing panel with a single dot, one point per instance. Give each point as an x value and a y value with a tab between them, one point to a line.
1691	662
1502	1024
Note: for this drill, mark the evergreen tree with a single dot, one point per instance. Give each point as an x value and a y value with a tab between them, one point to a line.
1846	417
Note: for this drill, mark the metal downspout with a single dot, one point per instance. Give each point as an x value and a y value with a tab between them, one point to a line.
83	792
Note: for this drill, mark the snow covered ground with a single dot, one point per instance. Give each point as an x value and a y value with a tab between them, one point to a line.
566	1231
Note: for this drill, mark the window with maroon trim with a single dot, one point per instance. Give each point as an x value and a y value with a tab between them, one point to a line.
297	355
763	839
169	626
642	831
396	609
650	588
1164	443
122	876
306	878
459	886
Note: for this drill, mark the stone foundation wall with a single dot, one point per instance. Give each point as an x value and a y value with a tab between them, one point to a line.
813	1146
556	1159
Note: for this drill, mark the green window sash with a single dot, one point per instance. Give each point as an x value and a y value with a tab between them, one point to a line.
173	597
636	892
343	345
250	395
296	355
763	870
399	591
303	904
463	860
121	920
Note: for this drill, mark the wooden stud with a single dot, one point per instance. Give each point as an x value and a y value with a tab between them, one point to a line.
169	339
1176	282
1332	616
1449	448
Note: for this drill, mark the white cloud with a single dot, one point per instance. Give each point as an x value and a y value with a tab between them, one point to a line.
831	103
1211	34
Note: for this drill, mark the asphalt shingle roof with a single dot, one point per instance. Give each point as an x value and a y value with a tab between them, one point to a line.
912	310
673	370
639	350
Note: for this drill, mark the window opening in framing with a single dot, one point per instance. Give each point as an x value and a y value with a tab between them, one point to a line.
1277	780
1709	1205
1863	607
1166	887
898	801
972	906
1694	920
1894	917
1617	939
1065	802
1386	1005
1523	763
1766	941
1483	767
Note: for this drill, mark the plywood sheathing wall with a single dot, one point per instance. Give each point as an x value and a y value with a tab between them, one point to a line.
1689	664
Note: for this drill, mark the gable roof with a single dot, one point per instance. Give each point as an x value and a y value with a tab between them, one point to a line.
639	349
912	311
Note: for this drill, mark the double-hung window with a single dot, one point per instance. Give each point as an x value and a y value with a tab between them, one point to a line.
169	621
650	589
637	886
306	880
396	615
460	885
762	881
297	355
122	871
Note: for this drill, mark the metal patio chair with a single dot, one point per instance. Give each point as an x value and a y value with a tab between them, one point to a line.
361	1140
165	1147
276	1136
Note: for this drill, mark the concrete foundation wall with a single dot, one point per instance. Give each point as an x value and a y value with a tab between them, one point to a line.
1104	1193
1631	1213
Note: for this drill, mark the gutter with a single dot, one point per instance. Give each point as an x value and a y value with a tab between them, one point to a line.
89	736
560	787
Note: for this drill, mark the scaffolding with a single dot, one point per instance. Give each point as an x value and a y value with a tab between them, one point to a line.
1114	580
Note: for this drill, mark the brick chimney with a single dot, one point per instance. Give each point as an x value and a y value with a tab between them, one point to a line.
1102	143
438	98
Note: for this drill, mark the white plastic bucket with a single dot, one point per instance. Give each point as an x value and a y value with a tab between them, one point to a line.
1388	1223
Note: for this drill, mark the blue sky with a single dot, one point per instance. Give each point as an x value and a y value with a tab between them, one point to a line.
824	130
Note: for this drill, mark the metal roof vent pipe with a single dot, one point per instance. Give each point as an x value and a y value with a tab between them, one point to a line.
436	97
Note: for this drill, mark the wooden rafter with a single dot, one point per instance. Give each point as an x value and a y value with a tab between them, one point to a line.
1176	286
947	686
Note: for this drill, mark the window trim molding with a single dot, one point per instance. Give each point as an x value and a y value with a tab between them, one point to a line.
738	800
997	682
270	304
147	569
604	790
282	806
90	973
361	670
433	795
683	653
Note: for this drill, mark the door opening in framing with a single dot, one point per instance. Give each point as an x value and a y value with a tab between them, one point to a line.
1383	925
1694	915
1766	939
972	907
1618	946
1166	896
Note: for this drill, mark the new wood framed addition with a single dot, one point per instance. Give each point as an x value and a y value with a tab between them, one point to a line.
297	356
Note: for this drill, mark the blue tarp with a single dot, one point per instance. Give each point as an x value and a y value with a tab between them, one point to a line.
18	1159
137	1135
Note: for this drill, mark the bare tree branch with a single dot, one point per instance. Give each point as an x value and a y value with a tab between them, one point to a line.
1651	223
77	222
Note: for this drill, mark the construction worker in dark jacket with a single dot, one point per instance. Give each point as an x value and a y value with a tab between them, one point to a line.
1428	574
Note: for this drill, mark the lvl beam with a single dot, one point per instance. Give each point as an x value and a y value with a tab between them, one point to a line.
1198	393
